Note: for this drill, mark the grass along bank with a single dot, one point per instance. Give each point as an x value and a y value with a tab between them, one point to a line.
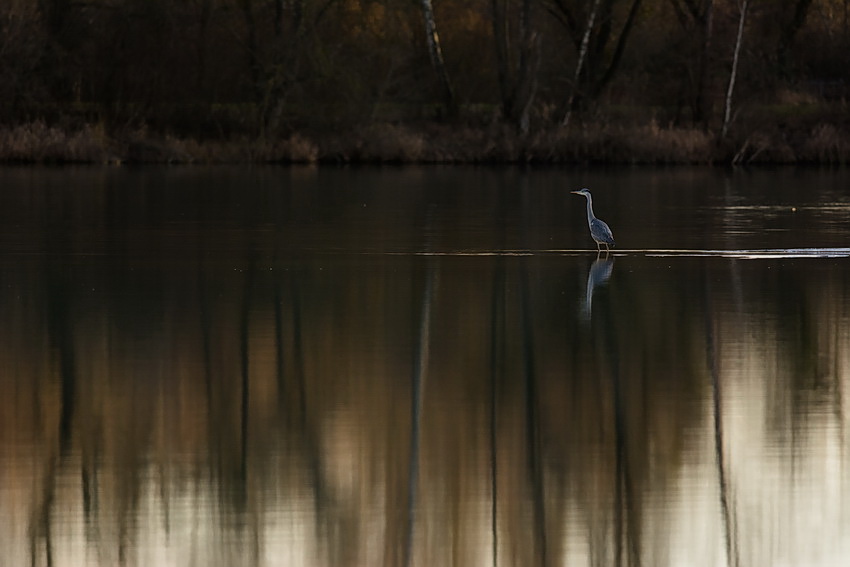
809	140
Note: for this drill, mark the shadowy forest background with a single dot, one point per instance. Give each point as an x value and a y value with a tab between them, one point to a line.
560	81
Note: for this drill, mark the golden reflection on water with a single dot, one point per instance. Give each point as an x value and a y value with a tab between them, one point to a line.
200	415
192	375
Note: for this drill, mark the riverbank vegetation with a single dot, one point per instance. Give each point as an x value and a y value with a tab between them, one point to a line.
462	81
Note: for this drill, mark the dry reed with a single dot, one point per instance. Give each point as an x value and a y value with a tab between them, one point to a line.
825	142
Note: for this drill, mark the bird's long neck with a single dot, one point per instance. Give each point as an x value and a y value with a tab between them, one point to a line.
590	216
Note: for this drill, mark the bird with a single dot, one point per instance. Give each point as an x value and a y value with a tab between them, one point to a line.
599	230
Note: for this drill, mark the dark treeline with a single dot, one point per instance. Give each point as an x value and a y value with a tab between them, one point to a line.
455	80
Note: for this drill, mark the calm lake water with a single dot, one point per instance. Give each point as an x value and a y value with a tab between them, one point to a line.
423	366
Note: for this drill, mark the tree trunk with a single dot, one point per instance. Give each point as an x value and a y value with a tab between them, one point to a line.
789	32
55	14
702	102
582	54
697	20
251	40
517	82
278	18
595	40
436	54
503	65
283	66
203	29
619	49
734	72
526	86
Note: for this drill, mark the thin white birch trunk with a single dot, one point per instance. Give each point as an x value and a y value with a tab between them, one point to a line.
728	113
582	55
436	53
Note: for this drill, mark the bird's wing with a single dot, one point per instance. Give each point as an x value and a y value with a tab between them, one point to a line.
600	229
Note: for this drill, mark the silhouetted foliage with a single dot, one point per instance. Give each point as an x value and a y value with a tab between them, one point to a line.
215	69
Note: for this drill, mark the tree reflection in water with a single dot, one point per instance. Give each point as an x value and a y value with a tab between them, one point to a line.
249	404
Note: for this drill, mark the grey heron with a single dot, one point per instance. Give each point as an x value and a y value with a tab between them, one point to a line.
599	231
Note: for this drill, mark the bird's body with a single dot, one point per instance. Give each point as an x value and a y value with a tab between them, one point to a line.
599	231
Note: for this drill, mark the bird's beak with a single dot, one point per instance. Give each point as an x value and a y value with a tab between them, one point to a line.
575	192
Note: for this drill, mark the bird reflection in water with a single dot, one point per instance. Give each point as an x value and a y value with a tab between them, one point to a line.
598	275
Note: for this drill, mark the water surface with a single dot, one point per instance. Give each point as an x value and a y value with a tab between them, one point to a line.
423	366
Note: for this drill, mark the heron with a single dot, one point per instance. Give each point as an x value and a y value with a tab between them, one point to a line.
599	231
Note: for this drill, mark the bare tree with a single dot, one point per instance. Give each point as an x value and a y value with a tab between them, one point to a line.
727	113
517	71
276	50
252	47
435	51
204	16
55	14
697	17
21	47
582	55
284	65
600	46
789	31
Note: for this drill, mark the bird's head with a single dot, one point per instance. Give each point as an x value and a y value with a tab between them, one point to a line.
582	192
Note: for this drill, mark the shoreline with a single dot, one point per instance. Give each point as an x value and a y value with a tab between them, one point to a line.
818	143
